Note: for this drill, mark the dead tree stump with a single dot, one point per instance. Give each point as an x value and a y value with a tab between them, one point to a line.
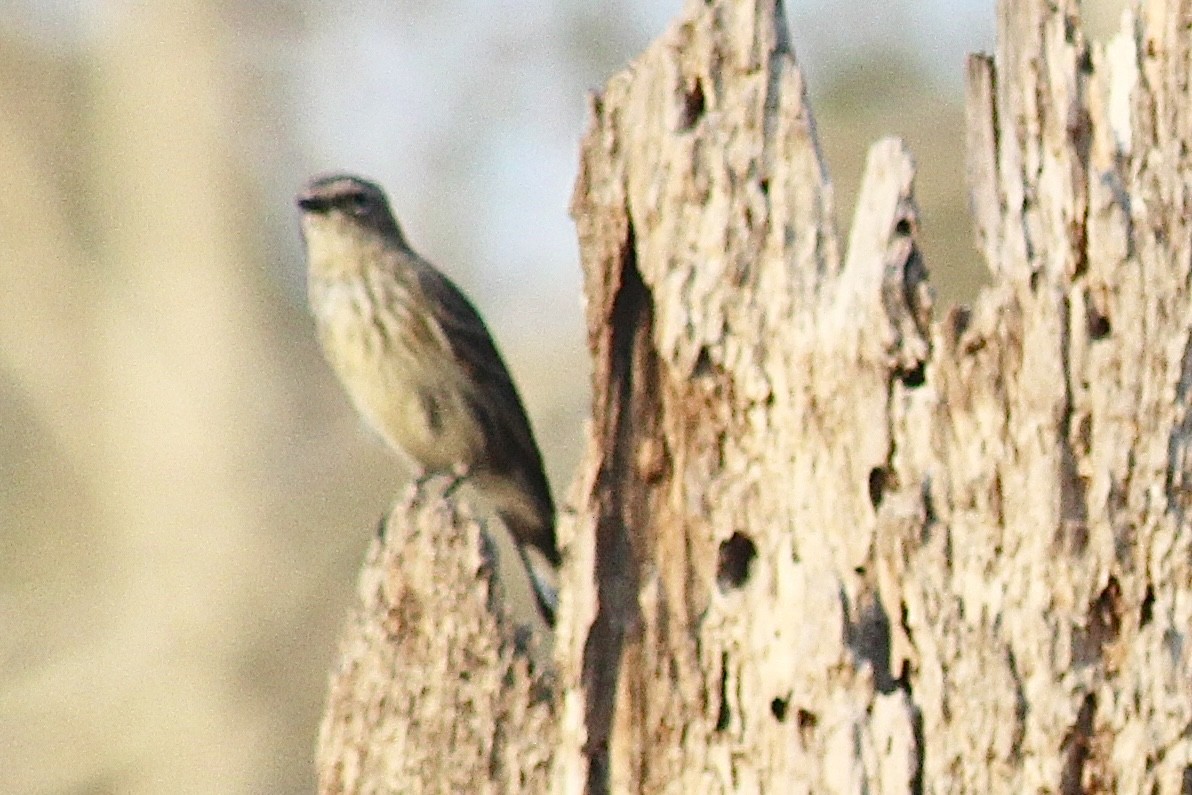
824	540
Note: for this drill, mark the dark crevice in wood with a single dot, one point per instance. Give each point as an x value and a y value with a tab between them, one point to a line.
725	714
1077	748
1146	612
869	639
631	393
917	785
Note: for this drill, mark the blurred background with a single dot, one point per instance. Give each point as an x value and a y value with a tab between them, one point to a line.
185	494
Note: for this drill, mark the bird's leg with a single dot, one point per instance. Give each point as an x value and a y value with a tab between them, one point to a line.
459	473
420	477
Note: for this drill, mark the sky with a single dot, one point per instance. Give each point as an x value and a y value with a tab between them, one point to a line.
478	116
472	120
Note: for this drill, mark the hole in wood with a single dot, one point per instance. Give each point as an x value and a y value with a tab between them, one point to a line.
915	377
807	722
879	478
735	561
1146	613
778	707
693	106
1105	614
902	228
1098	325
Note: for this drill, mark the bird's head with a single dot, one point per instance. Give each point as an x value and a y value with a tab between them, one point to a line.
341	213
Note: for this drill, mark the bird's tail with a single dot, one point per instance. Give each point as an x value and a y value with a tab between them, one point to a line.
542	579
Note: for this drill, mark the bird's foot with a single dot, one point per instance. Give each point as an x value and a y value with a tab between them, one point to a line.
458	474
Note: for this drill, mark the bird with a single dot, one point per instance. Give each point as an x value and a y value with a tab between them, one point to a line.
419	364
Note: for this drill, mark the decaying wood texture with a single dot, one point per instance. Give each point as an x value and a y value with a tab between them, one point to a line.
824	540
438	687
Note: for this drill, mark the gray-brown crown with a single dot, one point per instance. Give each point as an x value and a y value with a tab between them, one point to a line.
350	197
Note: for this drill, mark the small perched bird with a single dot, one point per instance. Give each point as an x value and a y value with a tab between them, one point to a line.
419	363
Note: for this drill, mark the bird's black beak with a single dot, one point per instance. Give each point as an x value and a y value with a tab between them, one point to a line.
311	203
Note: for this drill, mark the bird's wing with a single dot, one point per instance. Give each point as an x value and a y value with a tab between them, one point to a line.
473	346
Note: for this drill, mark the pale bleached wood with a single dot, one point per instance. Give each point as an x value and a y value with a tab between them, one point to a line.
439	687
980	151
952	522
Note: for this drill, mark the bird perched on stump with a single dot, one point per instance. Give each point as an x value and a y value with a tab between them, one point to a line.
418	362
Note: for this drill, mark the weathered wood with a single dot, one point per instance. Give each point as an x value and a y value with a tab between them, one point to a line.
438	688
870	550
827	542
732	354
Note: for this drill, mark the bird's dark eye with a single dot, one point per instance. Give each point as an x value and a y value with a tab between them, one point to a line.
356	203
